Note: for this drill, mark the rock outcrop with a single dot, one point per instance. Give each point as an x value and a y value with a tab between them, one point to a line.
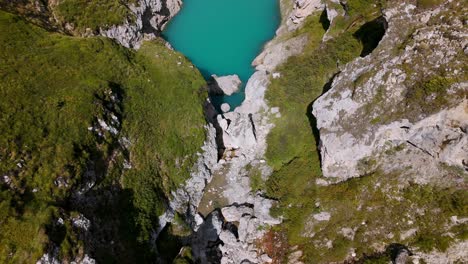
398	106
225	107
302	9
187	198
150	18
225	85
243	134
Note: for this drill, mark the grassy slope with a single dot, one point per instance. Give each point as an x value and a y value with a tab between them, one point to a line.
94	14
292	152
52	88
80	14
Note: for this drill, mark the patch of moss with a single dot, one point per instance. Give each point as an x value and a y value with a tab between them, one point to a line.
429	93
424	4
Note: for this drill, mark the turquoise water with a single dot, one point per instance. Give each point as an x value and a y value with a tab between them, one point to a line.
223	37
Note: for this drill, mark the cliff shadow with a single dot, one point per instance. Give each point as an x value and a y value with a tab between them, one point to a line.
370	34
113	234
324	20
312	120
313	127
393	253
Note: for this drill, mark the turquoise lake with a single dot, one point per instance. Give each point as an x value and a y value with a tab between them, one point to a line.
223	37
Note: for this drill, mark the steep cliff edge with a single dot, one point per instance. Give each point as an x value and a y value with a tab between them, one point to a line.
393	81
409	93
95	137
349	148
129	22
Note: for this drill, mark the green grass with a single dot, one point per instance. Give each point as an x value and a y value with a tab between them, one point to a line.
292	153
291	144
424	4
255	176
360	200
80	14
376	200
292	147
54	87
94	14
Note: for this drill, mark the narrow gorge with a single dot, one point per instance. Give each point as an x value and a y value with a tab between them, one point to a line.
260	131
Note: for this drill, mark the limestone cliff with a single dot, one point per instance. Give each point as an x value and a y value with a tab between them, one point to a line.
151	17
409	93
379	90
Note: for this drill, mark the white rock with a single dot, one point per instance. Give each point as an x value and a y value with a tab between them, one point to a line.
226	84
225	107
130	33
81	222
234	213
353	142
323	216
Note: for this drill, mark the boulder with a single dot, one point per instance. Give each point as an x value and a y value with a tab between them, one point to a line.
225	85
225	107
234	213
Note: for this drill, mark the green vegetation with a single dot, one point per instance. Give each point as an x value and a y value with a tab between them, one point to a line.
94	14
374	200
429	94
428	3
184	257
80	14
55	87
377	212
255	176
291	144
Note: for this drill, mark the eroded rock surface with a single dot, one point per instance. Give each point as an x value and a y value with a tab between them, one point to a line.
151	17
399	97
302	9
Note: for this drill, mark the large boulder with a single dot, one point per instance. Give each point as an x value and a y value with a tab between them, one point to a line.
225	107
234	213
225	85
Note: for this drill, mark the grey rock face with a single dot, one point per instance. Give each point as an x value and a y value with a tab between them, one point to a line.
302	9
277	53
226	85
150	18
456	253
367	113
235	213
187	198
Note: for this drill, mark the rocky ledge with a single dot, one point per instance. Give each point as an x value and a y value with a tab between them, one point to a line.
402	106
225	85
150	18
